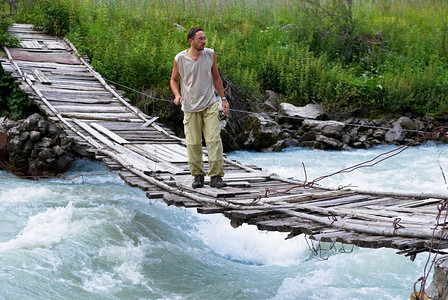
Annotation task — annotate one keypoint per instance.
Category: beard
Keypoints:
(198, 47)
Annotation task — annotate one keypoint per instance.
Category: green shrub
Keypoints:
(388, 56)
(14, 103)
(54, 17)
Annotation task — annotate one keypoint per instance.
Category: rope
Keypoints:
(262, 113)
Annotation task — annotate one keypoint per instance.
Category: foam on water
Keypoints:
(247, 244)
(414, 170)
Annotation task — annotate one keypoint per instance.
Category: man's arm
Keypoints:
(174, 83)
(217, 82)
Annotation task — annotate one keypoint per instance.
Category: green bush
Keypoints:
(388, 56)
(14, 103)
(5, 37)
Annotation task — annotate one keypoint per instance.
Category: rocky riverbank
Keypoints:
(37, 147)
(283, 125)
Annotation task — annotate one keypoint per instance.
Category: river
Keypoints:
(90, 236)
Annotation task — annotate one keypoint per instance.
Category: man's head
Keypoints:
(196, 38)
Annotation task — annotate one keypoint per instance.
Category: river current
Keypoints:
(90, 236)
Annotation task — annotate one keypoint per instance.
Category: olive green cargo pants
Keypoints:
(205, 122)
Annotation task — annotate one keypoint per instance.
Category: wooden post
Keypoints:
(3, 141)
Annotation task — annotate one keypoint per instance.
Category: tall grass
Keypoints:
(386, 55)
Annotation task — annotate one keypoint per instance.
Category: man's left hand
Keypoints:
(225, 107)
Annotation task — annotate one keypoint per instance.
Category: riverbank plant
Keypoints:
(387, 56)
(14, 103)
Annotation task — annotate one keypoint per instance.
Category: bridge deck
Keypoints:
(147, 155)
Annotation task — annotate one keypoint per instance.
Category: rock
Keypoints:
(28, 147)
(309, 111)
(379, 134)
(42, 125)
(345, 139)
(438, 289)
(179, 27)
(64, 163)
(52, 129)
(34, 136)
(395, 134)
(44, 143)
(333, 128)
(406, 123)
(14, 145)
(271, 104)
(58, 150)
(46, 154)
(10, 124)
(260, 132)
(31, 122)
(291, 143)
(308, 136)
(346, 147)
(24, 136)
(52, 164)
(332, 143)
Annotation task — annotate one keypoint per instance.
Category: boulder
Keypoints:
(309, 111)
(31, 122)
(438, 289)
(260, 132)
(406, 123)
(329, 128)
(271, 104)
(329, 142)
(396, 134)
(34, 135)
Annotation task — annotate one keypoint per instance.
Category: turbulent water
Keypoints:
(93, 237)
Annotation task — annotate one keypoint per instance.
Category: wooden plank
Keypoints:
(149, 122)
(78, 73)
(76, 88)
(206, 210)
(185, 184)
(167, 153)
(64, 58)
(421, 202)
(63, 108)
(33, 44)
(171, 168)
(100, 116)
(55, 45)
(41, 76)
(109, 133)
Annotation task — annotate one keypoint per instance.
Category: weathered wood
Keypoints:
(33, 44)
(109, 133)
(41, 76)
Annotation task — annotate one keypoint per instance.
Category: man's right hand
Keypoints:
(178, 100)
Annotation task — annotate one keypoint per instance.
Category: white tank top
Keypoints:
(196, 80)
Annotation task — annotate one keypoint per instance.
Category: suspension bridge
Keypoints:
(149, 156)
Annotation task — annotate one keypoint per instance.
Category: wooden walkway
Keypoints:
(147, 155)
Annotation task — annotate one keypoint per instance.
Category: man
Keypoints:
(199, 78)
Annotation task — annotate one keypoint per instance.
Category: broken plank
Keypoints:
(41, 76)
(109, 133)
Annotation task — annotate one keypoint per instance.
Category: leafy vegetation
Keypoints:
(14, 103)
(5, 37)
(384, 55)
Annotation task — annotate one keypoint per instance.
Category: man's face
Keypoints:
(199, 41)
